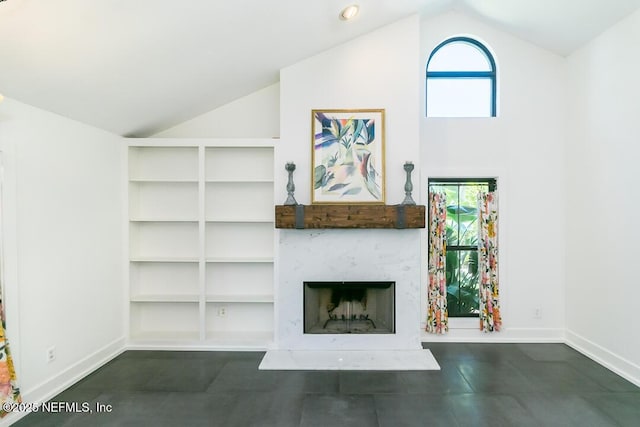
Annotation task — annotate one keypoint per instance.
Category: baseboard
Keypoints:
(192, 347)
(74, 373)
(510, 335)
(625, 368)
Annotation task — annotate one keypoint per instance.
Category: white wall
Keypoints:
(523, 147)
(603, 182)
(378, 70)
(256, 115)
(63, 244)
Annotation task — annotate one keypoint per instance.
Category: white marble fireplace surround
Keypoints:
(347, 255)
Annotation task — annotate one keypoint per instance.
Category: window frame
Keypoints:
(492, 184)
(491, 75)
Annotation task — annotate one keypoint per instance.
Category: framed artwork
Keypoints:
(347, 156)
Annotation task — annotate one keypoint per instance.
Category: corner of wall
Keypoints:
(621, 366)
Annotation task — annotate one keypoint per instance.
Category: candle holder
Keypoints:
(408, 186)
(290, 167)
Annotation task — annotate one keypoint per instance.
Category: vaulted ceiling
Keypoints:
(138, 67)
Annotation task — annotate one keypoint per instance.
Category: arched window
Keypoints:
(461, 79)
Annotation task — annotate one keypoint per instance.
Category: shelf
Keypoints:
(163, 200)
(232, 163)
(239, 240)
(164, 320)
(168, 298)
(240, 221)
(164, 240)
(239, 281)
(239, 201)
(149, 279)
(240, 259)
(164, 180)
(350, 216)
(163, 164)
(238, 317)
(164, 259)
(162, 220)
(241, 298)
(239, 181)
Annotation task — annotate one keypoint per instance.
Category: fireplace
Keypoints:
(349, 307)
(347, 256)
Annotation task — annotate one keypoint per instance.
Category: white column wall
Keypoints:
(377, 70)
(63, 241)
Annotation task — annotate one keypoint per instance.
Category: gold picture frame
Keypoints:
(347, 156)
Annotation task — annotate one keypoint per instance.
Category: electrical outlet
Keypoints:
(537, 313)
(51, 354)
(222, 311)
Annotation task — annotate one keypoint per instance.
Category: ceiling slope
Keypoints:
(137, 67)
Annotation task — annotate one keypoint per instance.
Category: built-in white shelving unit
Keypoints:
(201, 230)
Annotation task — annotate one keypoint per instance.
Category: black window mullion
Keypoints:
(462, 248)
(459, 283)
(458, 215)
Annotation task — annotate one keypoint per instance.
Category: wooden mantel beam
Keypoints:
(350, 216)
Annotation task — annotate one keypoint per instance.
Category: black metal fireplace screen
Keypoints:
(349, 308)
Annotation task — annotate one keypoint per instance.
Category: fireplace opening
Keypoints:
(349, 308)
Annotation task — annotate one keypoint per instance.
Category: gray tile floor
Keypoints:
(479, 385)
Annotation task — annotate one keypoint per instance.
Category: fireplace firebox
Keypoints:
(349, 307)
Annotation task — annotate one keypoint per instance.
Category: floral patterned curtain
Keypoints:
(9, 392)
(437, 316)
(490, 319)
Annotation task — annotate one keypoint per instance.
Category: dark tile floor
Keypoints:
(479, 385)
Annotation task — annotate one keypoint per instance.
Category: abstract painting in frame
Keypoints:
(347, 156)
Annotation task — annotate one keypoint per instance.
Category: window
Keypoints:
(461, 80)
(462, 241)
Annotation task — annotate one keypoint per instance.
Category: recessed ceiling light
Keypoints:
(349, 12)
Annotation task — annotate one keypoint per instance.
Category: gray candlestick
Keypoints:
(408, 186)
(290, 167)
